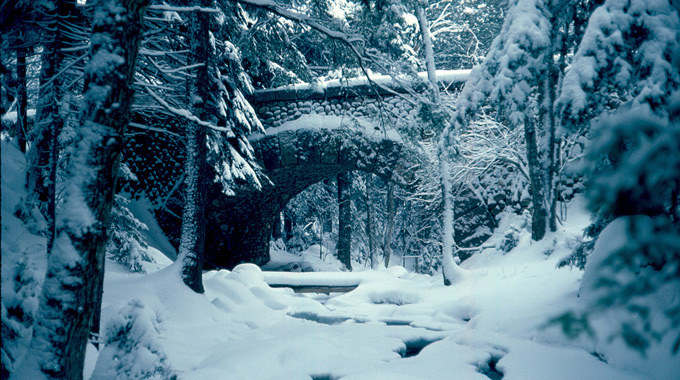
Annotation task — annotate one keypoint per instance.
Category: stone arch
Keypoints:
(240, 225)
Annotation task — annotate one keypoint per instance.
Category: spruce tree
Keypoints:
(72, 288)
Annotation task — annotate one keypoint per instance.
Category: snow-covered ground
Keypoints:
(395, 325)
(491, 324)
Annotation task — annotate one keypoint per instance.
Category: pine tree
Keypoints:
(192, 240)
(61, 29)
(126, 244)
(72, 288)
(630, 49)
(132, 348)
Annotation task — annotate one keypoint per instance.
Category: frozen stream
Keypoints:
(418, 337)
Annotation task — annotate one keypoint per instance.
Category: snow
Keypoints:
(447, 77)
(22, 255)
(159, 245)
(11, 117)
(499, 310)
(315, 122)
(394, 325)
(321, 278)
(631, 69)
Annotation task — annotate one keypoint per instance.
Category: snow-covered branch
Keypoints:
(62, 71)
(153, 129)
(488, 143)
(170, 8)
(346, 39)
(184, 113)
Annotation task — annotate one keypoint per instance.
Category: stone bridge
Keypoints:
(313, 133)
(240, 226)
(384, 102)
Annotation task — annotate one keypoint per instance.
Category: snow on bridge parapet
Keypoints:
(315, 122)
(354, 97)
(354, 87)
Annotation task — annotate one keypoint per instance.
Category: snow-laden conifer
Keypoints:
(131, 347)
(518, 78)
(71, 292)
(126, 243)
(625, 57)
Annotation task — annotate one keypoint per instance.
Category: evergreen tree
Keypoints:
(72, 288)
(132, 348)
(630, 49)
(519, 77)
(126, 244)
(62, 31)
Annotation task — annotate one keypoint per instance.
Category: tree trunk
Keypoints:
(43, 154)
(539, 214)
(22, 98)
(449, 267)
(541, 146)
(387, 249)
(427, 46)
(370, 233)
(76, 263)
(553, 163)
(450, 270)
(192, 241)
(344, 220)
(278, 228)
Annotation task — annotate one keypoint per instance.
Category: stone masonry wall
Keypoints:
(389, 102)
(276, 112)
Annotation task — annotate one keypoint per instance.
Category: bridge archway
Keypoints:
(239, 226)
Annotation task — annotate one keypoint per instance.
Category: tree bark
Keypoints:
(344, 220)
(427, 46)
(541, 143)
(387, 249)
(553, 80)
(536, 174)
(450, 270)
(278, 227)
(76, 263)
(192, 241)
(370, 220)
(22, 98)
(43, 154)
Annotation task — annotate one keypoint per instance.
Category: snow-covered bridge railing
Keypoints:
(353, 97)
